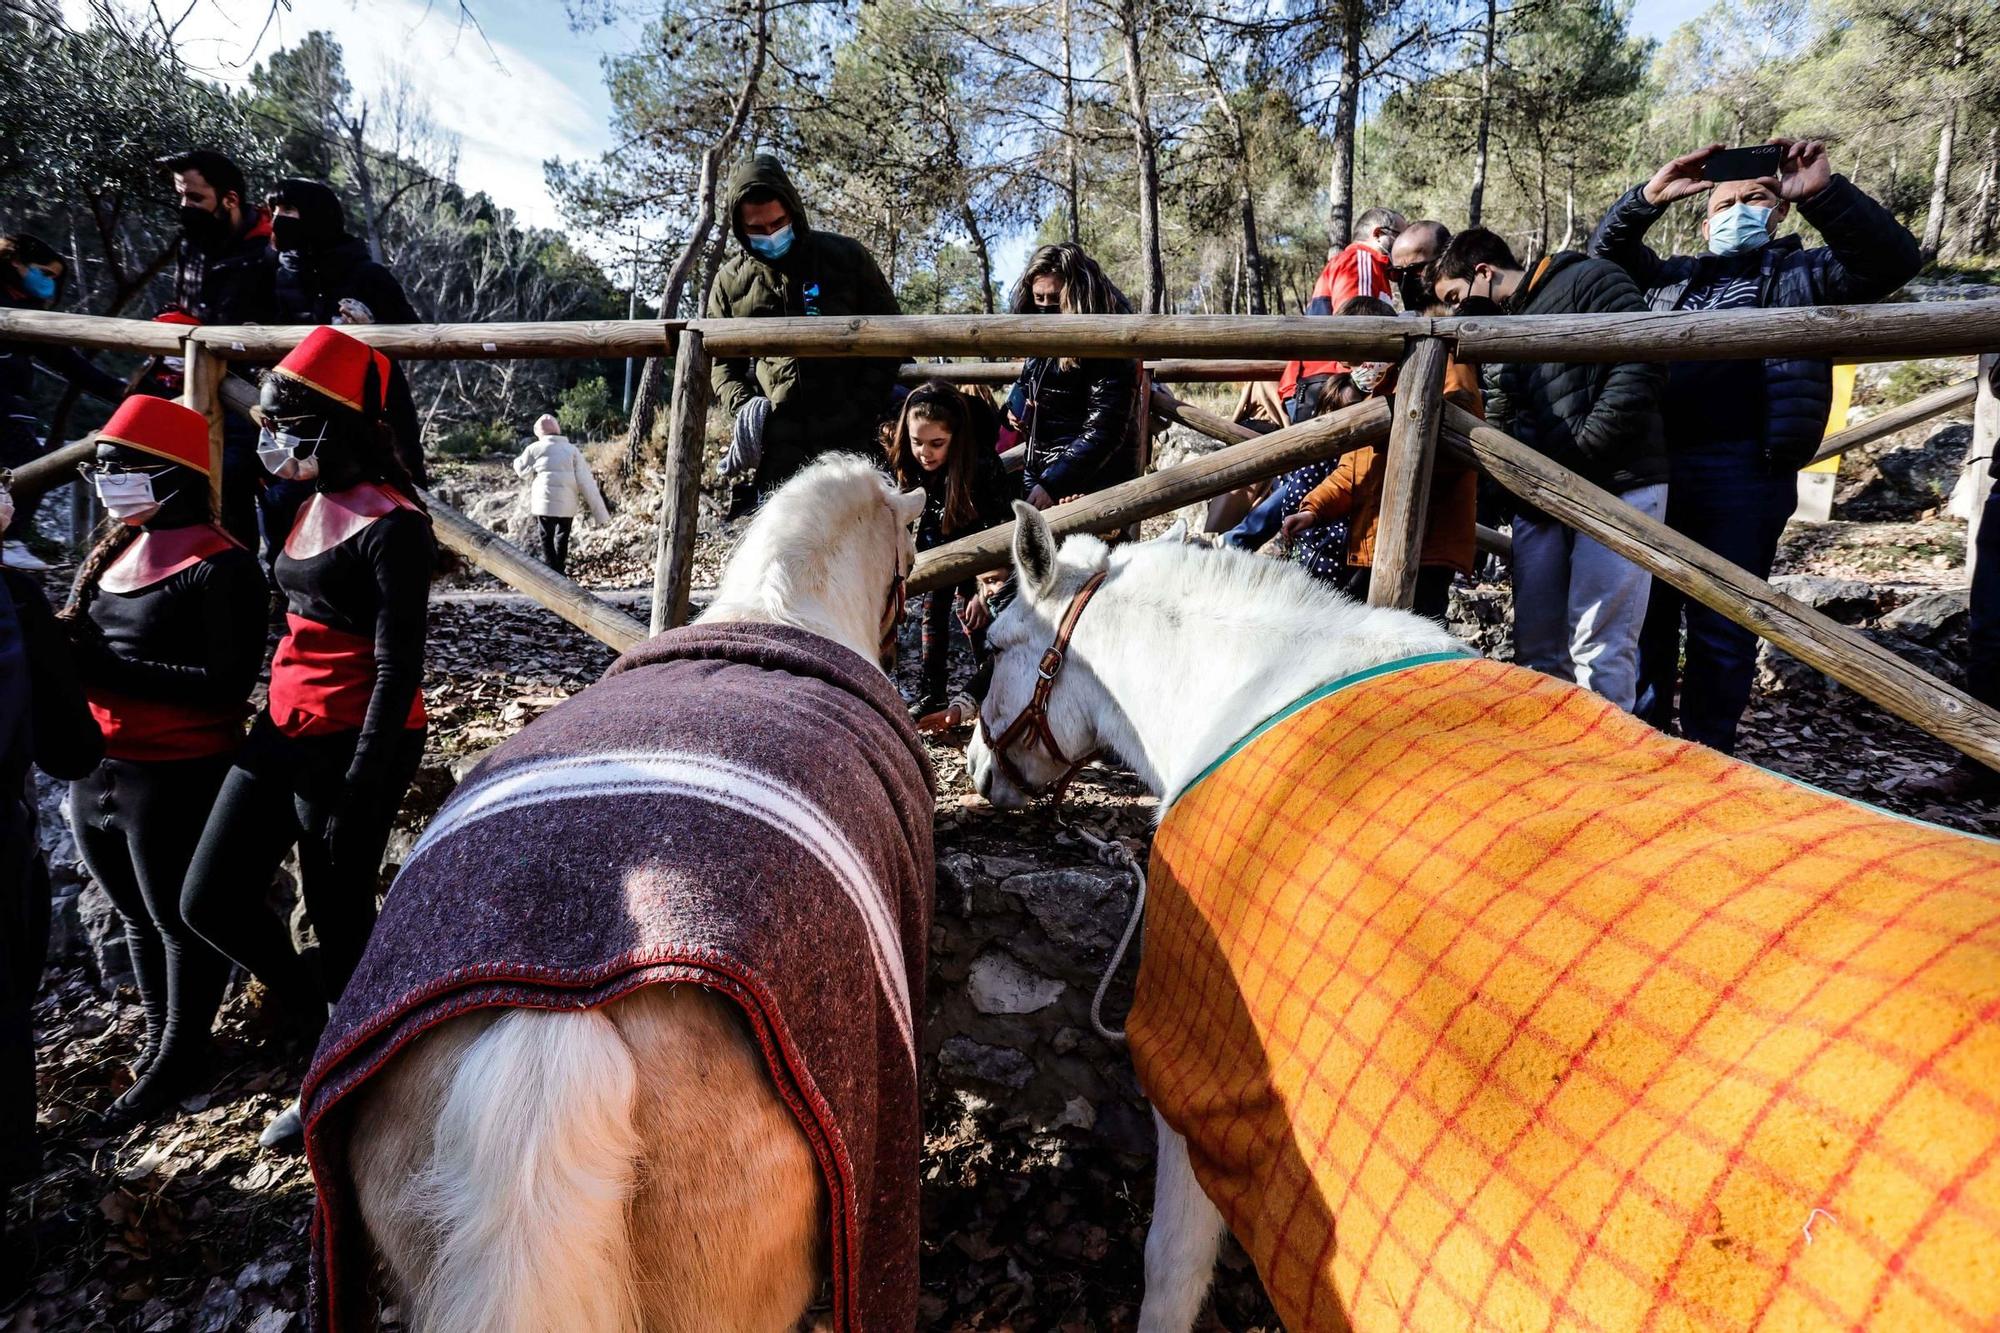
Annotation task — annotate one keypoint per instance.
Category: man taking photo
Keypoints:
(1738, 431)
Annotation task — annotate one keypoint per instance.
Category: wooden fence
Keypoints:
(1196, 348)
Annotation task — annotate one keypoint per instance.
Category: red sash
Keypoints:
(322, 679)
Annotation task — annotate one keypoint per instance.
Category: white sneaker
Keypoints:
(16, 555)
(286, 1132)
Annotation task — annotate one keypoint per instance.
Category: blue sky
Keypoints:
(522, 87)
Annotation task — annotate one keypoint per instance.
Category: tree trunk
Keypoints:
(364, 184)
(977, 239)
(1569, 207)
(1986, 214)
(1346, 114)
(1250, 256)
(1478, 200)
(1153, 300)
(652, 378)
(1073, 197)
(1940, 183)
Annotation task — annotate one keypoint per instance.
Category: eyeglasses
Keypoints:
(90, 472)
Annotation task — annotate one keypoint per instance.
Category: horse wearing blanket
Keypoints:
(634, 1043)
(1471, 1001)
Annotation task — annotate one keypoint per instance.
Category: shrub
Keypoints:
(589, 411)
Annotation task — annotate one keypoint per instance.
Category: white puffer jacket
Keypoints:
(561, 479)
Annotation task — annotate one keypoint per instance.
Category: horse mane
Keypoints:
(788, 567)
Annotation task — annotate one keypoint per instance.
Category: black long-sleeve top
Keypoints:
(169, 666)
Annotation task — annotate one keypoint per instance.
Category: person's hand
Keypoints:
(1294, 524)
(1680, 178)
(1803, 172)
(976, 617)
(1041, 499)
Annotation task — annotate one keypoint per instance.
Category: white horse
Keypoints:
(1239, 635)
(629, 1167)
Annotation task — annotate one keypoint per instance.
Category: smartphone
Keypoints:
(1744, 164)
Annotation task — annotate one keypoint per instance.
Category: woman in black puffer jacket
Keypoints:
(1079, 417)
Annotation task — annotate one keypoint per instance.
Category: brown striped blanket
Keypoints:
(742, 807)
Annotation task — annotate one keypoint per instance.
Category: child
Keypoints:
(561, 475)
(943, 444)
(1351, 496)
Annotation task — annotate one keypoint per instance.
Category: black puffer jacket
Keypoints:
(229, 281)
(1778, 415)
(817, 403)
(1602, 421)
(993, 494)
(328, 266)
(1078, 422)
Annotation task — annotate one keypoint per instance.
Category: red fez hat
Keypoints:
(161, 427)
(173, 314)
(337, 365)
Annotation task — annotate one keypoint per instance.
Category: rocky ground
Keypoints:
(1037, 1166)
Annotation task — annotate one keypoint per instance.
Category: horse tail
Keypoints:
(533, 1165)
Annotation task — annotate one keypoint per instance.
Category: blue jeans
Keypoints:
(1734, 505)
(1578, 606)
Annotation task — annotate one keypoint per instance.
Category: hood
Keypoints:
(319, 209)
(766, 171)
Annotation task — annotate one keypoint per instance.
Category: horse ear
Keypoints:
(1034, 549)
(909, 506)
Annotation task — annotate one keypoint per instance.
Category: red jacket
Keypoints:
(1359, 270)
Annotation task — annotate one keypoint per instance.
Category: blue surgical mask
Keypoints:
(1739, 228)
(773, 246)
(38, 284)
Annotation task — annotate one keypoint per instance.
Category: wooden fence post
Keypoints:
(1406, 474)
(680, 506)
(1862, 665)
(201, 389)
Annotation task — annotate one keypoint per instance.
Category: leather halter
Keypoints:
(1033, 720)
(895, 610)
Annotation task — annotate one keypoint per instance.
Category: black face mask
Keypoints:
(1416, 296)
(1475, 306)
(287, 234)
(1040, 309)
(201, 226)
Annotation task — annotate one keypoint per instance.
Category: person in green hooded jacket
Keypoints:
(789, 410)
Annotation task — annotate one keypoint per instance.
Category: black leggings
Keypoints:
(136, 826)
(938, 607)
(555, 542)
(280, 793)
(1433, 588)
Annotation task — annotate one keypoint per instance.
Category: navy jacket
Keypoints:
(1778, 416)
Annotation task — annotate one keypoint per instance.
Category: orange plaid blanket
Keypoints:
(1483, 1005)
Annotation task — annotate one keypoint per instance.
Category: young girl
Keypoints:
(167, 625)
(944, 444)
(326, 766)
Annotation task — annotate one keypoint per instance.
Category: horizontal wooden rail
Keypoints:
(97, 332)
(513, 567)
(1909, 414)
(1145, 497)
(1170, 371)
(1850, 333)
(460, 342)
(1229, 432)
(1865, 667)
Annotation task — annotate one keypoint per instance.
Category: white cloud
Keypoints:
(509, 110)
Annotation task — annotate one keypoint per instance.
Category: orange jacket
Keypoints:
(1354, 492)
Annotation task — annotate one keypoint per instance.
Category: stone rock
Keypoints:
(962, 1057)
(103, 932)
(1078, 906)
(1077, 1114)
(1904, 483)
(1000, 985)
(1845, 600)
(1780, 673)
(1930, 618)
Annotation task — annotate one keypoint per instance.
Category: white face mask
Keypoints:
(127, 496)
(278, 452)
